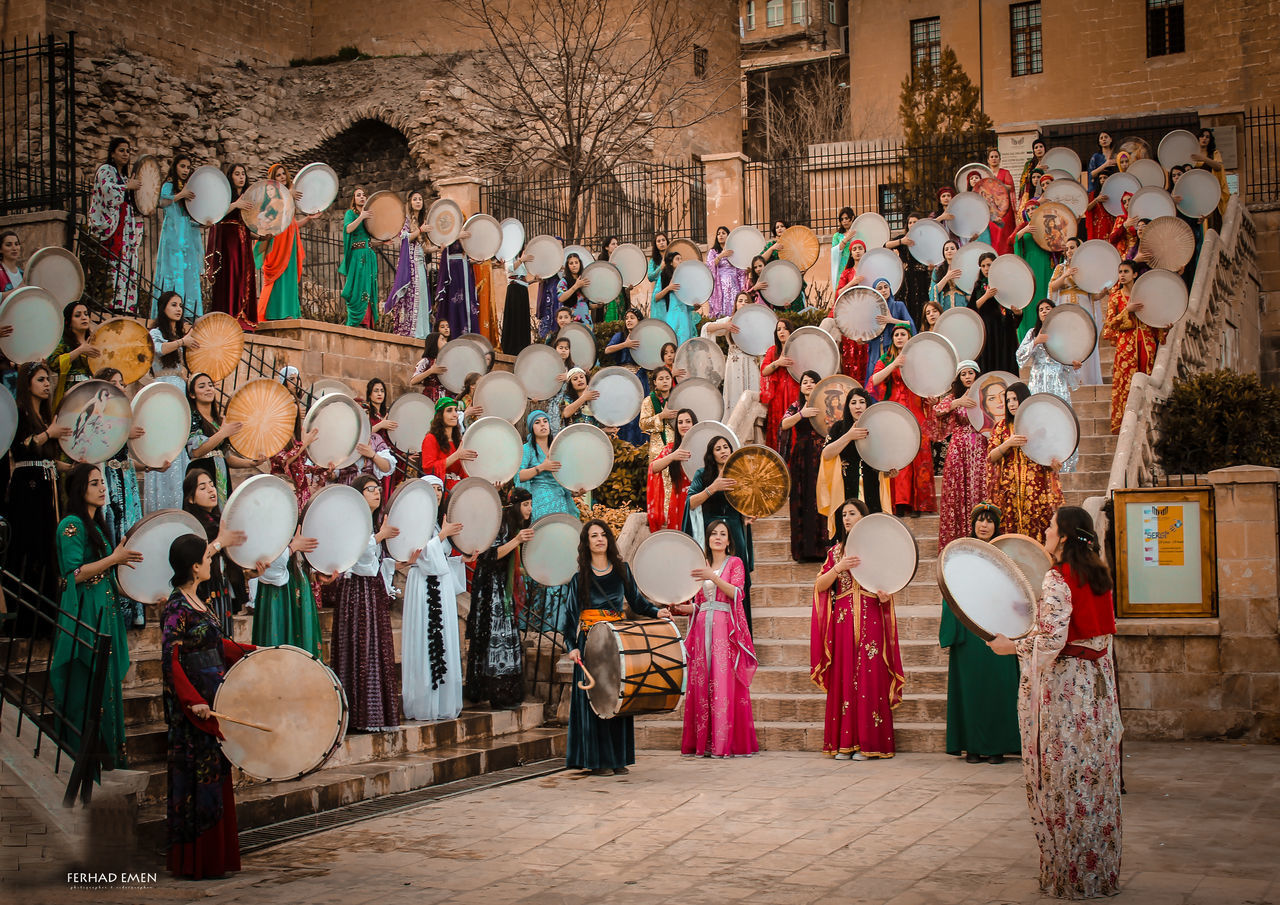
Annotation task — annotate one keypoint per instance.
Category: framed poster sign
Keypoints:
(1166, 554)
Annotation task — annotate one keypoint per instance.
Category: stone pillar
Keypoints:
(724, 180)
(465, 190)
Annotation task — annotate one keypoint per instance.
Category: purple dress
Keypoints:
(729, 282)
(456, 299)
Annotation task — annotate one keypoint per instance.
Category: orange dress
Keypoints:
(1136, 346)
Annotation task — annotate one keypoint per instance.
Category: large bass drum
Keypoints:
(637, 665)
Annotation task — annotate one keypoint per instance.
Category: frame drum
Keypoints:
(828, 397)
(686, 248)
(881, 264)
(1072, 334)
(267, 411)
(585, 257)
(294, 693)
(343, 424)
(99, 418)
(621, 395)
(888, 552)
(124, 344)
(386, 215)
(474, 503)
(928, 237)
(632, 264)
(1163, 296)
(1151, 203)
(57, 271)
(270, 209)
(965, 260)
(604, 283)
(151, 581)
(485, 240)
(1061, 158)
(703, 359)
(1072, 194)
(871, 228)
(460, 357)
(743, 244)
(326, 385)
(697, 440)
(1148, 172)
(1050, 426)
(964, 327)
(962, 174)
(985, 589)
(212, 193)
(536, 367)
(498, 447)
(700, 395)
(1028, 554)
(1052, 224)
(756, 325)
(856, 310)
(146, 197)
(480, 340)
(1014, 281)
(550, 557)
(1170, 242)
(582, 343)
(981, 420)
(929, 363)
(499, 393)
(317, 183)
(412, 414)
(813, 349)
(799, 245)
(696, 282)
(9, 422)
(971, 214)
(893, 436)
(36, 319)
(662, 564)
(221, 340)
(652, 334)
(265, 508)
(1199, 192)
(512, 239)
(339, 519)
(163, 412)
(413, 509)
(764, 483)
(585, 454)
(548, 257)
(1116, 187)
(1061, 175)
(444, 223)
(637, 665)
(784, 282)
(1176, 149)
(1097, 265)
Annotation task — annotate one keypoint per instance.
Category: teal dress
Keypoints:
(360, 271)
(179, 257)
(982, 693)
(657, 306)
(285, 611)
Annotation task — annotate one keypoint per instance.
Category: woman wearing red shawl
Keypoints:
(229, 257)
(778, 389)
(442, 454)
(1002, 229)
(114, 221)
(853, 354)
(1136, 343)
(1124, 230)
(853, 652)
(1097, 222)
(913, 485)
(280, 259)
(668, 485)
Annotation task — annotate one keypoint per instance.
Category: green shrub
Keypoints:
(1216, 420)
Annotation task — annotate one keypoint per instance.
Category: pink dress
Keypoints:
(854, 658)
(721, 664)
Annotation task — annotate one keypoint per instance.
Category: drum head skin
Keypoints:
(964, 327)
(146, 198)
(756, 325)
(813, 349)
(1170, 242)
(701, 358)
(977, 417)
(785, 283)
(339, 518)
(872, 229)
(1072, 333)
(1014, 281)
(486, 237)
(652, 334)
(962, 174)
(1148, 172)
(1176, 149)
(1028, 554)
(1072, 194)
(412, 509)
(662, 565)
(1097, 265)
(499, 449)
(856, 311)
(743, 244)
(326, 385)
(164, 414)
(99, 418)
(460, 357)
(585, 454)
(986, 590)
(293, 693)
(764, 483)
(551, 557)
(212, 195)
(474, 503)
(965, 260)
(265, 508)
(632, 264)
(270, 210)
(638, 666)
(604, 282)
(929, 362)
(828, 397)
(585, 257)
(444, 223)
(1050, 426)
(221, 340)
(800, 246)
(512, 239)
(123, 344)
(697, 439)
(582, 344)
(888, 552)
(499, 393)
(893, 436)
(696, 282)
(343, 424)
(881, 264)
(1199, 191)
(267, 411)
(1116, 187)
(1151, 203)
(386, 215)
(548, 257)
(318, 184)
(412, 414)
(58, 272)
(621, 395)
(972, 213)
(1163, 296)
(698, 394)
(9, 422)
(928, 237)
(151, 581)
(36, 319)
(1061, 158)
(537, 367)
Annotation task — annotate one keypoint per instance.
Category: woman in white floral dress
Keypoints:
(1070, 716)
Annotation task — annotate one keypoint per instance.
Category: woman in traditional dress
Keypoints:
(495, 657)
(706, 502)
(1136, 344)
(668, 485)
(229, 257)
(1210, 158)
(898, 315)
(1097, 221)
(10, 262)
(359, 267)
(180, 254)
(570, 296)
(842, 475)
(201, 812)
(284, 611)
(380, 425)
(601, 591)
(853, 652)
(982, 688)
(517, 323)
(280, 258)
(721, 657)
(72, 358)
(225, 590)
(801, 446)
(407, 303)
(1063, 290)
(618, 304)
(549, 496)
(114, 222)
(679, 316)
(123, 507)
(999, 351)
(291, 463)
(1048, 375)
(1002, 229)
(964, 473)
(1026, 492)
(655, 419)
(572, 404)
(741, 371)
(426, 373)
(1038, 259)
(755, 285)
(943, 288)
(1026, 181)
(170, 337)
(912, 486)
(210, 438)
(1069, 712)
(728, 278)
(87, 564)
(657, 254)
(1101, 163)
(442, 452)
(778, 389)
(916, 274)
(849, 276)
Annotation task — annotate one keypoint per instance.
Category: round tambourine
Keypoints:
(763, 481)
(985, 589)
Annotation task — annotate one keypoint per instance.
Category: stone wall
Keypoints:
(1267, 219)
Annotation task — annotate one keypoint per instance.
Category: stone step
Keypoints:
(916, 621)
(916, 707)
(795, 681)
(664, 735)
(793, 653)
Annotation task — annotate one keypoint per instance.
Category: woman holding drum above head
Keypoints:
(210, 438)
(999, 351)
(601, 591)
(203, 842)
(853, 652)
(442, 452)
(114, 222)
(898, 315)
(408, 301)
(741, 371)
(572, 404)
(706, 502)
(495, 658)
(180, 254)
(668, 485)
(426, 373)
(729, 279)
(570, 290)
(964, 474)
(171, 337)
(284, 611)
(913, 486)
(1026, 492)
(229, 257)
(1136, 343)
(224, 590)
(842, 475)
(657, 256)
(778, 389)
(801, 446)
(280, 259)
(943, 288)
(72, 359)
(1048, 375)
(1070, 752)
(359, 266)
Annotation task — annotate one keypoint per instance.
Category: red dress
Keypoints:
(666, 493)
(1002, 230)
(777, 391)
(1136, 345)
(853, 358)
(912, 486)
(433, 462)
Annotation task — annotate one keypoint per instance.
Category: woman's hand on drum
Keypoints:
(227, 429)
(300, 544)
(1133, 306)
(227, 538)
(786, 361)
(525, 535)
(86, 350)
(475, 412)
(704, 573)
(722, 483)
(847, 562)
(631, 344)
(200, 711)
(1077, 365)
(1018, 440)
(448, 529)
(184, 195)
(591, 395)
(388, 531)
(310, 437)
(665, 612)
(682, 455)
(808, 411)
(137, 431)
(189, 341)
(1001, 644)
(122, 556)
(1041, 339)
(669, 414)
(385, 424)
(884, 596)
(963, 402)
(365, 449)
(562, 377)
(551, 465)
(1055, 463)
(679, 374)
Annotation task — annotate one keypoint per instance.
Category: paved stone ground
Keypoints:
(1201, 824)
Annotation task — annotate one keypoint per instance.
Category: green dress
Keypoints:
(360, 269)
(982, 693)
(283, 300)
(94, 603)
(1041, 263)
(286, 613)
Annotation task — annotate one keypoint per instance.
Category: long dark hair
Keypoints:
(169, 329)
(172, 177)
(676, 426)
(718, 246)
(205, 517)
(846, 418)
(421, 216)
(68, 311)
(1080, 548)
(817, 378)
(228, 171)
(604, 247)
(111, 152)
(626, 331)
(985, 512)
(709, 463)
(431, 345)
(941, 270)
(841, 534)
(39, 415)
(668, 269)
(444, 439)
(1035, 331)
(706, 539)
(1213, 142)
(585, 577)
(777, 343)
(512, 520)
(375, 412)
(77, 486)
(210, 427)
(185, 553)
(1022, 391)
(360, 484)
(958, 388)
(654, 255)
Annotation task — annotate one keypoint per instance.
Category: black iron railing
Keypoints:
(1138, 132)
(1260, 156)
(38, 125)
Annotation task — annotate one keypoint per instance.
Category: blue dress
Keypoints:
(179, 257)
(880, 344)
(544, 606)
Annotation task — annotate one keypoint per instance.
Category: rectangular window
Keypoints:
(926, 42)
(1024, 38)
(1164, 28)
(751, 14)
(699, 61)
(773, 13)
(891, 207)
(833, 15)
(799, 11)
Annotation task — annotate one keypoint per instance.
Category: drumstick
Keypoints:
(231, 719)
(590, 683)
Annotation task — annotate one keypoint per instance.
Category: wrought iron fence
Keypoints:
(1260, 155)
(37, 125)
(1142, 133)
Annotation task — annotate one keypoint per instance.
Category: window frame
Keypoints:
(700, 59)
(1166, 28)
(932, 45)
(775, 13)
(799, 11)
(1030, 61)
(751, 15)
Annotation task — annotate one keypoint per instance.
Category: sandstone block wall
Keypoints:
(1267, 219)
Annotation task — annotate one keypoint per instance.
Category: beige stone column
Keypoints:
(723, 174)
(464, 190)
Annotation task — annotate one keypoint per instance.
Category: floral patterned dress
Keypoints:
(964, 475)
(729, 281)
(1028, 494)
(114, 221)
(1136, 346)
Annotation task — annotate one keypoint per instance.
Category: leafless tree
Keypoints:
(817, 109)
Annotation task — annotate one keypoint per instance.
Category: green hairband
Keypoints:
(445, 401)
